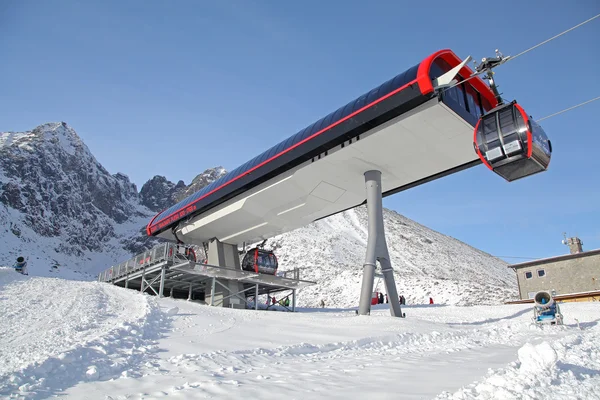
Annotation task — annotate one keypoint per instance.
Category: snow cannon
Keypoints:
(546, 310)
(21, 266)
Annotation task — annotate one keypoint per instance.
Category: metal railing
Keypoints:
(165, 252)
(170, 253)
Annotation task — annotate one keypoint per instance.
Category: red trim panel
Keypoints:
(256, 260)
(481, 157)
(529, 137)
(148, 232)
(426, 86)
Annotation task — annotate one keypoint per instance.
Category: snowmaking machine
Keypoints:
(545, 310)
(21, 266)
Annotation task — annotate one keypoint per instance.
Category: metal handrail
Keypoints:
(165, 252)
(160, 253)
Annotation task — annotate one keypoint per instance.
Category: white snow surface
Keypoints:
(87, 340)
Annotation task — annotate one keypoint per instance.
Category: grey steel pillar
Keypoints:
(294, 300)
(190, 292)
(212, 290)
(255, 296)
(127, 281)
(162, 282)
(377, 250)
(143, 277)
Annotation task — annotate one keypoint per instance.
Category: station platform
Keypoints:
(164, 270)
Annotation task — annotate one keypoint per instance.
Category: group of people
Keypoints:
(283, 302)
(380, 298)
(401, 299)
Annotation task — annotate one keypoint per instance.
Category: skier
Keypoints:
(431, 300)
(21, 266)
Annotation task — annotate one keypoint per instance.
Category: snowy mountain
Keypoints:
(426, 263)
(60, 207)
(159, 193)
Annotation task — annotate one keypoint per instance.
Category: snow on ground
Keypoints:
(55, 333)
(95, 341)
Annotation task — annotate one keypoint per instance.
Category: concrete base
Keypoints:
(224, 255)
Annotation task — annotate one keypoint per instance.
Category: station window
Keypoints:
(528, 275)
(541, 273)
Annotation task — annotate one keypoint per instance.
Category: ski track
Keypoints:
(90, 340)
(337, 369)
(91, 331)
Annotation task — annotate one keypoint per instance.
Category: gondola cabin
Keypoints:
(260, 261)
(510, 143)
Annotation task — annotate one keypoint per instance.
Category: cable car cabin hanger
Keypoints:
(506, 140)
(260, 261)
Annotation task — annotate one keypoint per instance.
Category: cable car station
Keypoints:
(432, 120)
(171, 269)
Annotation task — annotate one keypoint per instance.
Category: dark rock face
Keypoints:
(60, 190)
(159, 193)
(50, 176)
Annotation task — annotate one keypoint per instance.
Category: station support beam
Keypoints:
(224, 255)
(377, 250)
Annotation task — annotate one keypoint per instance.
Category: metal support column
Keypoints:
(162, 282)
(256, 297)
(127, 281)
(143, 280)
(294, 300)
(190, 292)
(377, 250)
(212, 291)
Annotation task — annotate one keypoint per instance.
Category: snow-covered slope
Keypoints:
(86, 340)
(63, 332)
(426, 263)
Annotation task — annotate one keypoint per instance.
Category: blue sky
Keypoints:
(173, 88)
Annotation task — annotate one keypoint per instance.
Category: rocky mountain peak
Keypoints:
(159, 193)
(50, 176)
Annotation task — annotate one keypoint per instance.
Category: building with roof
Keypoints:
(570, 277)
